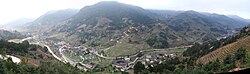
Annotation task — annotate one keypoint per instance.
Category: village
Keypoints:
(82, 56)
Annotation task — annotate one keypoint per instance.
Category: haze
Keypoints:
(14, 9)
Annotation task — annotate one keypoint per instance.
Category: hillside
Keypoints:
(33, 59)
(222, 52)
(228, 46)
(230, 54)
(6, 35)
(220, 56)
(48, 20)
(105, 23)
(238, 18)
(199, 50)
(113, 25)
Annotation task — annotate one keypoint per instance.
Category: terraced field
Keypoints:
(220, 53)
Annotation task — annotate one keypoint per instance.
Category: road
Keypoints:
(37, 43)
(110, 58)
(49, 49)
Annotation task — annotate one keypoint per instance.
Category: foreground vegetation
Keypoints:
(23, 50)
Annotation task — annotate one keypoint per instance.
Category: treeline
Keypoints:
(6, 35)
(178, 66)
(16, 48)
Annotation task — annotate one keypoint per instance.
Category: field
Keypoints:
(125, 48)
(180, 50)
(71, 56)
(220, 53)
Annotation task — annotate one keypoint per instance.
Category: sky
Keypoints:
(14, 9)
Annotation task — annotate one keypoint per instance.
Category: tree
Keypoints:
(138, 68)
(213, 66)
(228, 63)
(240, 54)
(177, 71)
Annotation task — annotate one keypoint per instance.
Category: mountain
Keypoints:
(105, 23)
(14, 25)
(49, 19)
(239, 18)
(165, 14)
(194, 25)
(6, 35)
(123, 26)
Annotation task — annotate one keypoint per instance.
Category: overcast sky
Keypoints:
(14, 9)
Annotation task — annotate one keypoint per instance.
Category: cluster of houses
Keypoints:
(121, 63)
(126, 62)
(81, 52)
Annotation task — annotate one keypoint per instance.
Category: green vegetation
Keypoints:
(187, 63)
(181, 65)
(23, 50)
(125, 48)
(6, 35)
(157, 42)
(17, 48)
(73, 57)
(199, 50)
(52, 67)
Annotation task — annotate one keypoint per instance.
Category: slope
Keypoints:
(242, 40)
(48, 20)
(6, 35)
(220, 53)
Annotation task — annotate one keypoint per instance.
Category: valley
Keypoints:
(111, 37)
(87, 58)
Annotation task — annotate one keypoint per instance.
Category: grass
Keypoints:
(103, 62)
(125, 48)
(75, 58)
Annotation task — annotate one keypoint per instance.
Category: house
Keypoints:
(120, 64)
(154, 58)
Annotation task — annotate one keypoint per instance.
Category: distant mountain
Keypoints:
(163, 14)
(239, 18)
(200, 27)
(44, 22)
(13, 25)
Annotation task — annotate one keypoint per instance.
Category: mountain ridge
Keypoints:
(108, 17)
